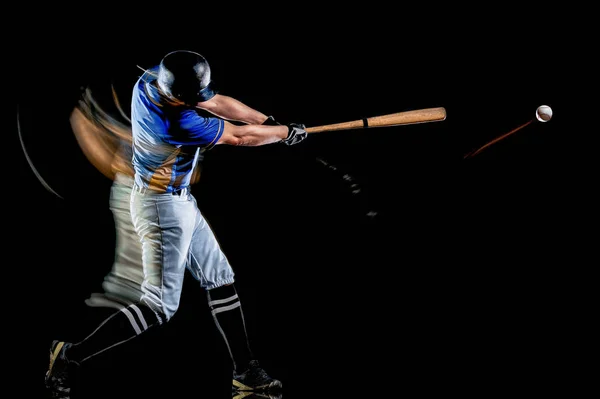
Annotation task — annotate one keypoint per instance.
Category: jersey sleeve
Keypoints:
(199, 130)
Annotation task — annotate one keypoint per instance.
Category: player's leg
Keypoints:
(123, 284)
(210, 267)
(115, 312)
(163, 226)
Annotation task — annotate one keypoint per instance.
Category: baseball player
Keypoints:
(176, 116)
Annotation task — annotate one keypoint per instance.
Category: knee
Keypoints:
(163, 311)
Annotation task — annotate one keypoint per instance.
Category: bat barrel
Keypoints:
(395, 119)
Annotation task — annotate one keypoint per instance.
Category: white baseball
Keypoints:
(543, 113)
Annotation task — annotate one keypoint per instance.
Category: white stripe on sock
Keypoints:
(129, 315)
(140, 316)
(226, 308)
(220, 301)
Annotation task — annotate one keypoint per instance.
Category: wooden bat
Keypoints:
(396, 119)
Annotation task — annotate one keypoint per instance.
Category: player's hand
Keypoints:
(296, 133)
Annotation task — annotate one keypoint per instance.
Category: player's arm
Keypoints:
(256, 135)
(229, 108)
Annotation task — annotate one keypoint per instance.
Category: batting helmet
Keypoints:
(185, 76)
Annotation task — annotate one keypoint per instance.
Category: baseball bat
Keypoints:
(396, 119)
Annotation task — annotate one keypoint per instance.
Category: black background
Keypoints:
(442, 274)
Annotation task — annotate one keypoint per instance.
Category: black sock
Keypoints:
(227, 312)
(119, 327)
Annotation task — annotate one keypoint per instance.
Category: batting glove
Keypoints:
(296, 133)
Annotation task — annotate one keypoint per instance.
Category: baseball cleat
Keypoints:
(255, 379)
(255, 395)
(57, 376)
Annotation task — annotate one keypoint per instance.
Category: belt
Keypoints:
(144, 190)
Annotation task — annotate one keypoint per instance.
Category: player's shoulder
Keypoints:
(149, 75)
(146, 81)
(146, 91)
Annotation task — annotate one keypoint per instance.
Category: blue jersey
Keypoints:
(167, 139)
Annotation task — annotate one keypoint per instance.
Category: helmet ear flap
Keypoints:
(207, 93)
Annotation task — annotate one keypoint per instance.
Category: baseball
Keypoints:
(543, 113)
